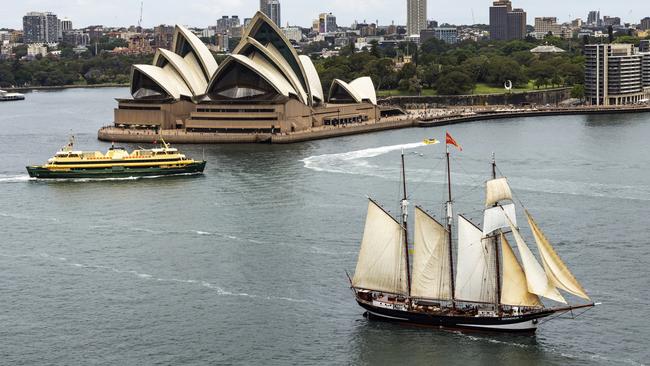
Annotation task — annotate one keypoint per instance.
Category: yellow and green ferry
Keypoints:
(116, 163)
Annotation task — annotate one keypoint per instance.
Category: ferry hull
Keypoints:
(514, 324)
(114, 172)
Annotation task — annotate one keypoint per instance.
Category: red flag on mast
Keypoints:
(451, 141)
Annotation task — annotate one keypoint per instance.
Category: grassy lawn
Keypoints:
(479, 89)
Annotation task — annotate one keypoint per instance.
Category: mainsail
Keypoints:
(497, 190)
(431, 274)
(497, 218)
(556, 270)
(538, 282)
(475, 277)
(382, 262)
(514, 290)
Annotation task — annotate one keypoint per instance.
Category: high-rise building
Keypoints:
(499, 19)
(645, 23)
(611, 20)
(226, 23)
(547, 25)
(326, 23)
(594, 18)
(506, 23)
(41, 28)
(272, 9)
(517, 24)
(416, 19)
(615, 74)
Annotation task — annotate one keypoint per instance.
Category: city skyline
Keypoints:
(206, 12)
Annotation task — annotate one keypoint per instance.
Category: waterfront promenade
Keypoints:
(413, 118)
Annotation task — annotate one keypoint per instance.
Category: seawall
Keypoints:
(540, 97)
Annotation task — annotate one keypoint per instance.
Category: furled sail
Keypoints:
(382, 262)
(556, 270)
(497, 218)
(476, 274)
(430, 277)
(538, 282)
(497, 190)
(514, 290)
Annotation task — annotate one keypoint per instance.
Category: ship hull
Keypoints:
(526, 323)
(114, 172)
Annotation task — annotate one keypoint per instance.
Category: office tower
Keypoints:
(326, 23)
(416, 20)
(506, 23)
(499, 20)
(40, 28)
(547, 25)
(274, 11)
(611, 20)
(645, 23)
(517, 24)
(594, 18)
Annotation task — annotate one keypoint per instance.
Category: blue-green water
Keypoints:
(245, 265)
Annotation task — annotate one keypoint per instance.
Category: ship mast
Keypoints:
(496, 244)
(450, 217)
(404, 205)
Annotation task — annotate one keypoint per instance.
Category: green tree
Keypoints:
(454, 83)
(578, 91)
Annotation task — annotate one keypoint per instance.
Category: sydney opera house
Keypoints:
(264, 87)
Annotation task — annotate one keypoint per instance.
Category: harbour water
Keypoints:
(245, 265)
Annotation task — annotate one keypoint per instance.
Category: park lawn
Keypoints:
(479, 89)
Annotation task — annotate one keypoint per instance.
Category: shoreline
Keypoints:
(110, 133)
(65, 87)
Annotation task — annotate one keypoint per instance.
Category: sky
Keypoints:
(201, 13)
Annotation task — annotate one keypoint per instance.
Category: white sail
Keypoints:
(476, 274)
(431, 262)
(538, 282)
(514, 290)
(556, 270)
(497, 190)
(382, 262)
(496, 218)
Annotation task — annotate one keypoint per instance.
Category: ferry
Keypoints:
(69, 163)
(6, 96)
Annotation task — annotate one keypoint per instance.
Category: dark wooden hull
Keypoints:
(525, 323)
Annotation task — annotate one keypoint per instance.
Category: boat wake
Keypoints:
(358, 162)
(347, 162)
(15, 178)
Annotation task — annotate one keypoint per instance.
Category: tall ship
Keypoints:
(69, 163)
(481, 285)
(5, 96)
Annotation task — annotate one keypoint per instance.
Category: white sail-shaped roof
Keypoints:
(266, 32)
(514, 290)
(250, 46)
(150, 81)
(341, 88)
(382, 259)
(475, 275)
(558, 273)
(260, 67)
(365, 88)
(431, 261)
(313, 79)
(186, 42)
(193, 77)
